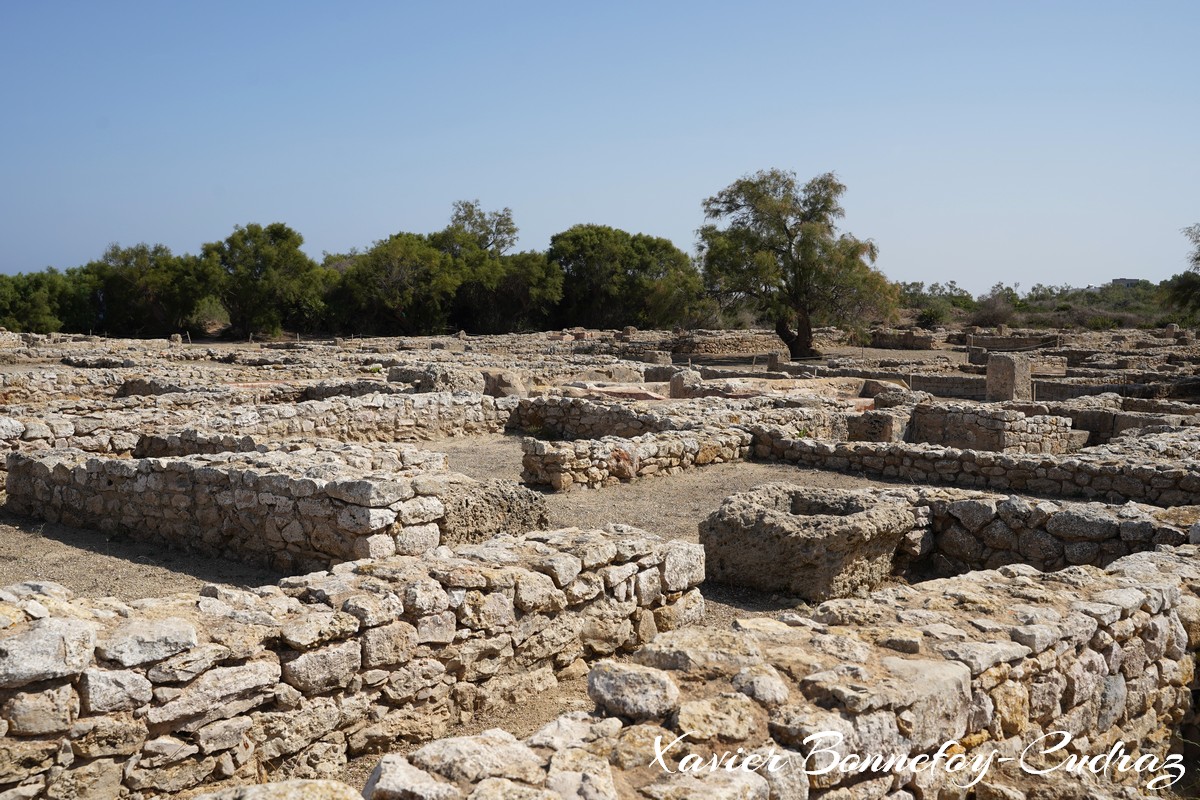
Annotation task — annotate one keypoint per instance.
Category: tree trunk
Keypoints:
(799, 341)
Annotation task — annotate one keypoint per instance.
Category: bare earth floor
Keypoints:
(96, 564)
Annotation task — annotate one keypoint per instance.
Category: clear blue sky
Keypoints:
(1053, 142)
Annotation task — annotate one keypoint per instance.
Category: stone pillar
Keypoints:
(1008, 378)
(775, 359)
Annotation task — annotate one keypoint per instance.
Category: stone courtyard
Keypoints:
(601, 564)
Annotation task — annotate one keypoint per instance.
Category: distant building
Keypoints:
(1126, 283)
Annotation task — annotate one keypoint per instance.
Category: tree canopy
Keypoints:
(612, 278)
(266, 280)
(1183, 290)
(775, 244)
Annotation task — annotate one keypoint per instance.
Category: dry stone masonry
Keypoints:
(955, 688)
(293, 510)
(962, 614)
(100, 698)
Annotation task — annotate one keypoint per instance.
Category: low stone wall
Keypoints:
(975, 673)
(1039, 362)
(1090, 474)
(99, 698)
(818, 544)
(970, 531)
(1106, 416)
(370, 418)
(594, 463)
(554, 417)
(291, 510)
(990, 428)
(999, 344)
(892, 339)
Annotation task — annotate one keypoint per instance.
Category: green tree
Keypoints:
(1183, 290)
(403, 284)
(612, 278)
(498, 292)
(29, 302)
(266, 280)
(142, 290)
(779, 249)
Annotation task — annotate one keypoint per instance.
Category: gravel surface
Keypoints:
(94, 564)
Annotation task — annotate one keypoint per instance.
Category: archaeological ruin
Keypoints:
(614, 565)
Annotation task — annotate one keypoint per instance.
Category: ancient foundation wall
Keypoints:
(818, 544)
(99, 698)
(986, 532)
(990, 428)
(370, 418)
(554, 417)
(1102, 423)
(975, 673)
(892, 339)
(594, 463)
(1113, 480)
(289, 510)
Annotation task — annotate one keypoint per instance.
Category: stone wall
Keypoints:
(1106, 416)
(971, 531)
(370, 418)
(975, 673)
(292, 510)
(893, 339)
(818, 544)
(555, 417)
(990, 428)
(1171, 478)
(594, 463)
(99, 698)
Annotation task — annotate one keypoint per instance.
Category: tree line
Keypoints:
(463, 277)
(770, 252)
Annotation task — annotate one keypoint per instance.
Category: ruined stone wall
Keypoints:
(99, 698)
(1104, 421)
(950, 384)
(724, 342)
(40, 384)
(990, 428)
(980, 666)
(594, 463)
(290, 510)
(370, 418)
(576, 418)
(893, 339)
(976, 531)
(1091, 474)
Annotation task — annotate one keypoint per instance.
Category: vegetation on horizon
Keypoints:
(770, 254)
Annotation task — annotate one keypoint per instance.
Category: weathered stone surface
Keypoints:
(41, 713)
(394, 778)
(388, 645)
(491, 754)
(632, 691)
(143, 641)
(217, 694)
(113, 690)
(324, 669)
(813, 543)
(50, 648)
(292, 790)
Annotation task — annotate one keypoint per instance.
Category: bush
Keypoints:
(934, 315)
(993, 311)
